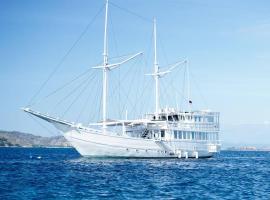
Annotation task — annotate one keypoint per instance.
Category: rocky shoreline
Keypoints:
(19, 139)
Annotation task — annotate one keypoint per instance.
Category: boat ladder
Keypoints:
(164, 147)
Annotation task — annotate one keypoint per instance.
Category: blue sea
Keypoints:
(60, 173)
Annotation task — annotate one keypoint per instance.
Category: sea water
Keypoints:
(60, 173)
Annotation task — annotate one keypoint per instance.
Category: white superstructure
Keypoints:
(165, 133)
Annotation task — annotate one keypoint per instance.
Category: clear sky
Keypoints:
(227, 43)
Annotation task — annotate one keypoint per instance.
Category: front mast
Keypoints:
(105, 70)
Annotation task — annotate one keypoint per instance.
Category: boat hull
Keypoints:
(91, 144)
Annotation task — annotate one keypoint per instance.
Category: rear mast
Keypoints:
(156, 70)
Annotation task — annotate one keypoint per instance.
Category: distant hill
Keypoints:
(15, 138)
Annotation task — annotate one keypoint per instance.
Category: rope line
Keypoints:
(64, 57)
(198, 88)
(63, 86)
(80, 93)
(85, 104)
(97, 99)
(70, 93)
(40, 124)
(132, 13)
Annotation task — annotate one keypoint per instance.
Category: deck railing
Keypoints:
(197, 126)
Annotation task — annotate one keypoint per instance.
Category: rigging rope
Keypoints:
(63, 86)
(127, 95)
(70, 93)
(98, 91)
(84, 105)
(96, 80)
(170, 83)
(198, 88)
(40, 124)
(163, 51)
(77, 97)
(132, 13)
(31, 102)
(184, 88)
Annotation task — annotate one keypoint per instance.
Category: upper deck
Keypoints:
(201, 120)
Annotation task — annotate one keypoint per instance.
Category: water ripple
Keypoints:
(63, 174)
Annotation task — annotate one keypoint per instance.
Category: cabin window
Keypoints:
(210, 136)
(201, 138)
(215, 136)
(175, 134)
(170, 118)
(162, 133)
(175, 117)
(193, 135)
(188, 135)
(184, 135)
(163, 118)
(199, 135)
(210, 119)
(155, 133)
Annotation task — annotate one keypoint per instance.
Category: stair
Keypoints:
(164, 147)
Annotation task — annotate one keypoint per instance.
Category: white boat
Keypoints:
(166, 133)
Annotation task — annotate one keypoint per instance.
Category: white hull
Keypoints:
(102, 145)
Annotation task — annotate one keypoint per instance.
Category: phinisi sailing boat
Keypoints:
(166, 133)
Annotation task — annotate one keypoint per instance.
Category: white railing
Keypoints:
(196, 126)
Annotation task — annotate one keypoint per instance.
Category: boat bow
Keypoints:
(60, 124)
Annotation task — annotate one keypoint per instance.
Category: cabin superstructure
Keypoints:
(197, 128)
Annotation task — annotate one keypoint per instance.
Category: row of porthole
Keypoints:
(147, 151)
